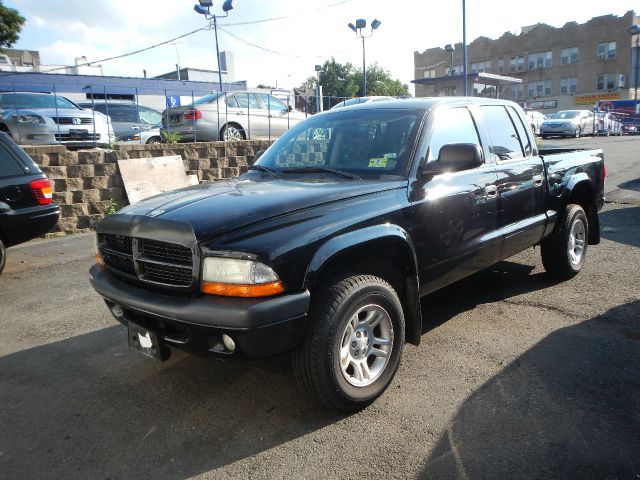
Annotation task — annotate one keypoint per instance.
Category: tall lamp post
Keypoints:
(361, 23)
(449, 48)
(464, 45)
(204, 8)
(318, 99)
(635, 30)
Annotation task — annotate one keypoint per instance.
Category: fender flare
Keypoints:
(363, 236)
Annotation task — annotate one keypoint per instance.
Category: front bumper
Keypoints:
(563, 130)
(51, 134)
(259, 327)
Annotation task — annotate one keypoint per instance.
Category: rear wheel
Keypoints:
(353, 345)
(232, 133)
(564, 253)
(153, 140)
(3, 256)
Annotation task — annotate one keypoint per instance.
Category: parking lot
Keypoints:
(517, 376)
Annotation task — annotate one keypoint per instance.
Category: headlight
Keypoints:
(233, 277)
(28, 119)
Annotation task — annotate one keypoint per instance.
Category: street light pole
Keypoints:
(357, 28)
(635, 30)
(204, 8)
(464, 43)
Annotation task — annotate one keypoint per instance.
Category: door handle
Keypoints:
(537, 180)
(491, 191)
(239, 113)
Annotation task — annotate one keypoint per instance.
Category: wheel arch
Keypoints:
(580, 191)
(232, 123)
(382, 250)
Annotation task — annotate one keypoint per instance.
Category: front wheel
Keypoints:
(154, 140)
(3, 256)
(578, 132)
(352, 347)
(564, 252)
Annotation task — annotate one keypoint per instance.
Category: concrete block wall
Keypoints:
(87, 182)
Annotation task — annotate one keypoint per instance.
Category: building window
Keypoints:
(479, 67)
(457, 70)
(430, 73)
(501, 65)
(606, 51)
(540, 60)
(539, 89)
(569, 55)
(568, 85)
(606, 81)
(450, 91)
(516, 90)
(516, 64)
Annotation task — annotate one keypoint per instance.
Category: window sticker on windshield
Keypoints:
(391, 156)
(377, 162)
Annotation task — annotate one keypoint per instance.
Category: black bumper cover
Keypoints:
(259, 327)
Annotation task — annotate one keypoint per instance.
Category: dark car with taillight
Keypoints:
(326, 245)
(26, 207)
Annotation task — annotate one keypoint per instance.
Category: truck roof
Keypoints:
(425, 103)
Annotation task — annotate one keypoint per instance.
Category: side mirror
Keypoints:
(456, 157)
(290, 108)
(258, 155)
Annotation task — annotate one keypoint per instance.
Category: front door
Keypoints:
(454, 213)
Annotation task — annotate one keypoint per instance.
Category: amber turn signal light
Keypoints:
(240, 290)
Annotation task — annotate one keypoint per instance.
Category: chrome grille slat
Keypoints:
(150, 261)
(69, 121)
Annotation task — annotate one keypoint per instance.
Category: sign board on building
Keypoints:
(591, 99)
(281, 94)
(540, 104)
(173, 101)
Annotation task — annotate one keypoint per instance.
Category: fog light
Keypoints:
(117, 311)
(228, 342)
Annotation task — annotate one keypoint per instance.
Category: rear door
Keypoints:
(520, 178)
(278, 116)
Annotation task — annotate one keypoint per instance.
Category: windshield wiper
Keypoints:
(261, 168)
(322, 170)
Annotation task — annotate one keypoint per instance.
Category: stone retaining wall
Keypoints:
(87, 182)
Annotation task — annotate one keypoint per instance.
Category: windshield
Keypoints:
(566, 114)
(33, 100)
(373, 144)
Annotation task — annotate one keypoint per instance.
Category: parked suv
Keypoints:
(26, 208)
(231, 116)
(42, 118)
(127, 117)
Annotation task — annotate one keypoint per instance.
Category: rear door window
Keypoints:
(505, 142)
(524, 138)
(8, 166)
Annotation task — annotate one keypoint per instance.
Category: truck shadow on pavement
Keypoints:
(566, 408)
(87, 407)
(503, 280)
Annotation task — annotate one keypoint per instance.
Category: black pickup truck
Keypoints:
(325, 247)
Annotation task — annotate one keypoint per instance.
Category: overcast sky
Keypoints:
(313, 32)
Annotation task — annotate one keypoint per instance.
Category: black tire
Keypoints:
(3, 256)
(578, 132)
(555, 249)
(154, 140)
(317, 360)
(232, 129)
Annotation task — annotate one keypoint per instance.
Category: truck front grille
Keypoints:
(150, 261)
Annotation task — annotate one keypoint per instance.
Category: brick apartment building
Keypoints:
(544, 67)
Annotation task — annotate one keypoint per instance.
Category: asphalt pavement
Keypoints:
(517, 376)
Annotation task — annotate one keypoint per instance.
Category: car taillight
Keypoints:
(193, 114)
(42, 191)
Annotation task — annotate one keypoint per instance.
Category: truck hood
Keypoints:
(220, 207)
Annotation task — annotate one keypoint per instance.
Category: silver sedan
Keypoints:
(230, 116)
